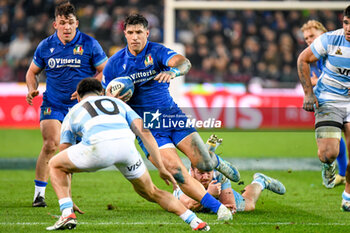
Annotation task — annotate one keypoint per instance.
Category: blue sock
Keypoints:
(40, 183)
(208, 201)
(341, 159)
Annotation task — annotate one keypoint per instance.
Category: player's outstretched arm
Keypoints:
(152, 148)
(179, 65)
(32, 82)
(304, 60)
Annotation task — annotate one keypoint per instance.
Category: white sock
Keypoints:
(39, 190)
(66, 206)
(346, 196)
(260, 183)
(188, 216)
(191, 218)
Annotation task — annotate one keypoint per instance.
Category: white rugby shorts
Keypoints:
(119, 152)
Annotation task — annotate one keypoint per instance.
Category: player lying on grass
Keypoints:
(220, 187)
(108, 127)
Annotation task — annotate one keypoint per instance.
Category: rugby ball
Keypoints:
(121, 85)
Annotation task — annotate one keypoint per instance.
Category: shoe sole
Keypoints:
(70, 226)
(39, 205)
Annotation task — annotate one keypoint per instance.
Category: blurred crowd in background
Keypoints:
(234, 46)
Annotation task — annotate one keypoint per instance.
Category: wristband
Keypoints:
(176, 71)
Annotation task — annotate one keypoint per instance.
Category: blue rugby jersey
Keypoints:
(335, 78)
(66, 65)
(96, 119)
(149, 94)
(316, 68)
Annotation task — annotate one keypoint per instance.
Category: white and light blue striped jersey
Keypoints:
(335, 78)
(96, 119)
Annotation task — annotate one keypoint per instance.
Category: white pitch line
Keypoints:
(162, 223)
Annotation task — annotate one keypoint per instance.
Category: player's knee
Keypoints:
(328, 154)
(50, 146)
(205, 165)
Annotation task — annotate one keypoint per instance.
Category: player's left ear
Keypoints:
(77, 23)
(54, 24)
(147, 33)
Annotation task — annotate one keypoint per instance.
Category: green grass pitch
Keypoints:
(306, 207)
(253, 144)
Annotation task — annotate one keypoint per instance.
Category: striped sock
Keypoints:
(66, 206)
(261, 182)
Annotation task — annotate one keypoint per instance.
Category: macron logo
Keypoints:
(52, 49)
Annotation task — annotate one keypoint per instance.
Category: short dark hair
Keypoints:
(65, 8)
(135, 20)
(347, 12)
(89, 85)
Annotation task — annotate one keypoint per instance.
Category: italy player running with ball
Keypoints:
(151, 66)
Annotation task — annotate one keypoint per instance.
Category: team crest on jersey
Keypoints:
(47, 111)
(338, 52)
(78, 50)
(148, 60)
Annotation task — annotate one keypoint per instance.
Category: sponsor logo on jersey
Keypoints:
(134, 166)
(64, 62)
(148, 60)
(142, 76)
(344, 71)
(52, 49)
(47, 111)
(338, 52)
(78, 50)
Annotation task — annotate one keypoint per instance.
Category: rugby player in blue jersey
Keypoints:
(108, 126)
(67, 56)
(311, 30)
(330, 99)
(151, 66)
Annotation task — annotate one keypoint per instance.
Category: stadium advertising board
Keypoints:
(233, 110)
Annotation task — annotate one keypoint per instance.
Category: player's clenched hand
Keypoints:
(31, 95)
(165, 77)
(214, 188)
(310, 102)
(74, 95)
(166, 176)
